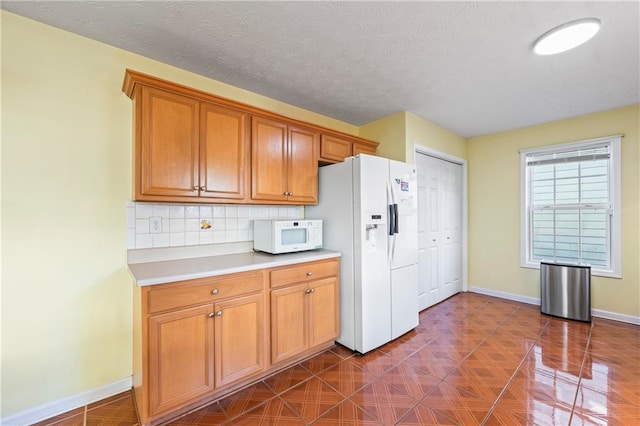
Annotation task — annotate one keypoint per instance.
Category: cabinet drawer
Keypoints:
(304, 272)
(161, 299)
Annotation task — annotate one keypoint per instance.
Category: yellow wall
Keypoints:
(494, 206)
(425, 133)
(399, 132)
(66, 156)
(390, 132)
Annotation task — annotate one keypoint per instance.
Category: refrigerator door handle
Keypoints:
(395, 218)
(392, 220)
(392, 249)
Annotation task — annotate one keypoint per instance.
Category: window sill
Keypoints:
(594, 272)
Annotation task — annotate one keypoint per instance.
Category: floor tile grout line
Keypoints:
(584, 360)
(515, 372)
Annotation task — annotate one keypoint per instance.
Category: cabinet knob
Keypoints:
(219, 313)
(211, 315)
(203, 188)
(309, 273)
(195, 187)
(308, 291)
(313, 290)
(214, 291)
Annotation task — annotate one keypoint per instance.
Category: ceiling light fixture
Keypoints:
(566, 36)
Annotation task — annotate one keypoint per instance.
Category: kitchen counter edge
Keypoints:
(167, 271)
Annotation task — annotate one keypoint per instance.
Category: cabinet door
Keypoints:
(334, 149)
(239, 338)
(363, 149)
(224, 152)
(268, 159)
(167, 150)
(324, 311)
(288, 322)
(180, 357)
(302, 172)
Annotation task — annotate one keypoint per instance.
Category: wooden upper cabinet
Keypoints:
(195, 147)
(302, 170)
(224, 152)
(360, 148)
(269, 159)
(285, 162)
(167, 148)
(333, 149)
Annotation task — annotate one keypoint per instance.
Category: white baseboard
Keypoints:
(505, 295)
(46, 411)
(536, 301)
(615, 316)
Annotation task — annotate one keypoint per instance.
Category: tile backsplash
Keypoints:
(173, 225)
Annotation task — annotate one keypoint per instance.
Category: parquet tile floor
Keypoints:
(473, 360)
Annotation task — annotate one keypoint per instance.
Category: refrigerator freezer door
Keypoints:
(404, 300)
(404, 189)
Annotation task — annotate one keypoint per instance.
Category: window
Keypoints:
(570, 205)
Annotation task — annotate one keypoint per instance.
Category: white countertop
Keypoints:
(166, 271)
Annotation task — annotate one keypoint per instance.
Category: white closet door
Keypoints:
(423, 237)
(452, 241)
(439, 229)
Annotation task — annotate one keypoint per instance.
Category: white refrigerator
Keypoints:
(369, 209)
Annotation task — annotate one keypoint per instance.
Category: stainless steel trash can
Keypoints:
(565, 290)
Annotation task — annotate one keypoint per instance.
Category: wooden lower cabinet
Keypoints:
(239, 339)
(198, 340)
(303, 316)
(288, 322)
(324, 311)
(305, 313)
(180, 357)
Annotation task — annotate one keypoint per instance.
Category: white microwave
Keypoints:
(287, 236)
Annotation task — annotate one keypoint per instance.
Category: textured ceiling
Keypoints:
(466, 66)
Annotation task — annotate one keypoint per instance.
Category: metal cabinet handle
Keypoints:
(219, 313)
(309, 273)
(211, 315)
(313, 290)
(308, 291)
(214, 291)
(203, 188)
(195, 187)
